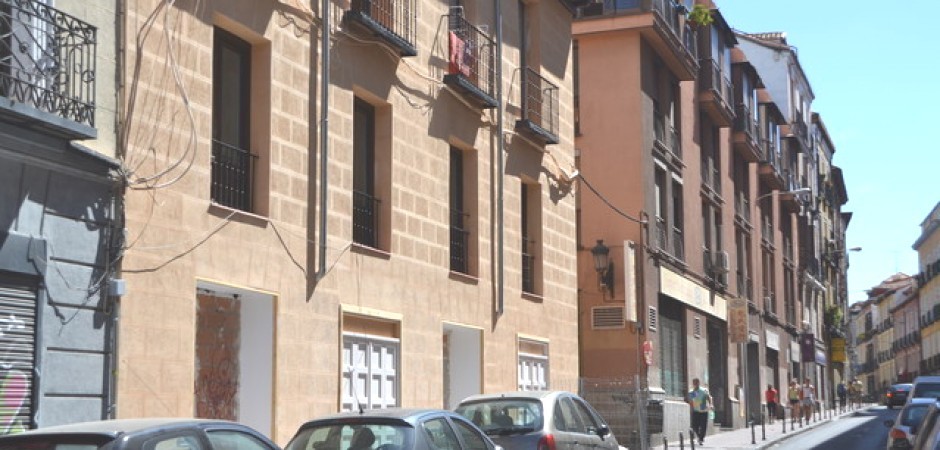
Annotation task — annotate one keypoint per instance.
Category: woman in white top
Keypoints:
(809, 399)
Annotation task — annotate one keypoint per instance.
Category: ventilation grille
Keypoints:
(605, 317)
(653, 318)
(697, 327)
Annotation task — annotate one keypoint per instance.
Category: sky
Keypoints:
(874, 68)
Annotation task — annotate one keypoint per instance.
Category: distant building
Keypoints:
(927, 246)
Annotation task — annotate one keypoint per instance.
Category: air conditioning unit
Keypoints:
(721, 264)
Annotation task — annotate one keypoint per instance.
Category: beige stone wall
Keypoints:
(177, 238)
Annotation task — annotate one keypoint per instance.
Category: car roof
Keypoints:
(922, 400)
(117, 427)
(535, 395)
(902, 384)
(409, 415)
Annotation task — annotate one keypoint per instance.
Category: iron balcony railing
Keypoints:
(742, 206)
(717, 82)
(471, 53)
(47, 60)
(711, 176)
(459, 242)
(689, 40)
(745, 285)
(662, 237)
(799, 129)
(540, 102)
(744, 121)
(232, 176)
(678, 247)
(393, 20)
(769, 153)
(666, 135)
(528, 266)
(770, 305)
(668, 10)
(365, 219)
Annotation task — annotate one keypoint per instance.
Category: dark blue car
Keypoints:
(141, 434)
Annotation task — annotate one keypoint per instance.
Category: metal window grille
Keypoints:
(232, 172)
(47, 60)
(528, 266)
(459, 242)
(365, 219)
(540, 101)
(473, 53)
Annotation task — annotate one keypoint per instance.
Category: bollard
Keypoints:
(681, 441)
(666, 443)
(784, 421)
(753, 437)
(763, 431)
(692, 439)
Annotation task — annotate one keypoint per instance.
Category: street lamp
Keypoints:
(603, 266)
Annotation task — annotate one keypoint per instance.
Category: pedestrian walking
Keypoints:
(841, 392)
(793, 395)
(701, 402)
(808, 394)
(770, 396)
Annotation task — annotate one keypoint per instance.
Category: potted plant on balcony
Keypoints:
(699, 15)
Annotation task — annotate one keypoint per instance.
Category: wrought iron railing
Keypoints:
(689, 40)
(459, 242)
(769, 153)
(365, 219)
(232, 176)
(745, 285)
(395, 17)
(742, 206)
(540, 101)
(471, 53)
(47, 60)
(662, 237)
(666, 135)
(528, 266)
(743, 121)
(678, 246)
(799, 129)
(717, 82)
(669, 10)
(711, 176)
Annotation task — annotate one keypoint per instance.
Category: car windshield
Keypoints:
(913, 414)
(353, 436)
(931, 390)
(902, 388)
(504, 416)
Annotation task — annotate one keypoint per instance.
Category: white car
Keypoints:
(906, 424)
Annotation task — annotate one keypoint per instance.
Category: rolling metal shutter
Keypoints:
(17, 351)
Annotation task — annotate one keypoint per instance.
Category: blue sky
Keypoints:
(874, 67)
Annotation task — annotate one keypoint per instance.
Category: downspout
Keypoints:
(324, 131)
(500, 285)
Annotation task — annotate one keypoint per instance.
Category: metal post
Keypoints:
(763, 430)
(666, 443)
(681, 441)
(692, 439)
(753, 430)
(784, 420)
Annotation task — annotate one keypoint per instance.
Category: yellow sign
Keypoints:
(837, 350)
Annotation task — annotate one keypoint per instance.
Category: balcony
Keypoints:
(470, 69)
(678, 246)
(232, 176)
(657, 20)
(799, 130)
(715, 96)
(662, 237)
(392, 21)
(746, 134)
(539, 120)
(47, 69)
(742, 209)
(666, 139)
(769, 170)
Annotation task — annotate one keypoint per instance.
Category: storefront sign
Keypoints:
(837, 350)
(773, 340)
(807, 347)
(820, 357)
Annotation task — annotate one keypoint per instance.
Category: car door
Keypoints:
(471, 438)
(570, 430)
(439, 435)
(597, 438)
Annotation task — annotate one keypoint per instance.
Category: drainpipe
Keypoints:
(500, 285)
(324, 130)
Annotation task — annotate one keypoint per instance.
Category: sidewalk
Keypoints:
(771, 434)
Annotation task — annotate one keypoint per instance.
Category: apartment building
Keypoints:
(876, 338)
(59, 211)
(357, 203)
(927, 246)
(905, 314)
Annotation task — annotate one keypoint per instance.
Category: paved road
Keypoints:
(863, 430)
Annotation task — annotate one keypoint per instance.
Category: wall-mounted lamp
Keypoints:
(603, 266)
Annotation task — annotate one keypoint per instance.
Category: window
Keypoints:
(471, 437)
(463, 211)
(678, 243)
(365, 202)
(533, 365)
(531, 228)
(232, 160)
(226, 439)
(567, 417)
(441, 436)
(371, 353)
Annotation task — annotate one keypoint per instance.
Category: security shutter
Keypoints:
(17, 351)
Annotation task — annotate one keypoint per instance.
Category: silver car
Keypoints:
(545, 420)
(904, 427)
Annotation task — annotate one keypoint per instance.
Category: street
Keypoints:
(863, 430)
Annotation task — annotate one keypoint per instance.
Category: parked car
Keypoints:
(897, 394)
(134, 434)
(925, 387)
(927, 436)
(391, 429)
(546, 420)
(906, 424)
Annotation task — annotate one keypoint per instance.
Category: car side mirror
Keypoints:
(603, 430)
